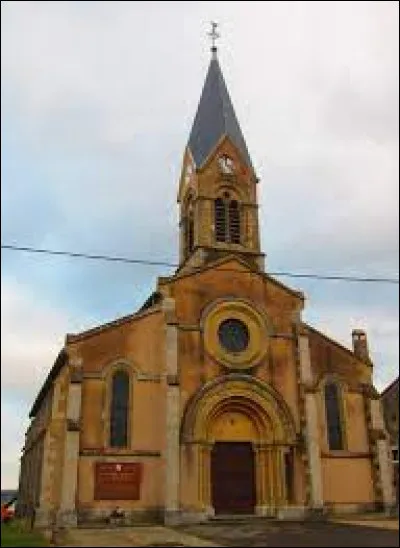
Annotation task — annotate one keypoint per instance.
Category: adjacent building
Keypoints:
(390, 404)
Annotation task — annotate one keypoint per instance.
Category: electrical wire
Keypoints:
(128, 260)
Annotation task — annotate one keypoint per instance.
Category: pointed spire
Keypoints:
(215, 115)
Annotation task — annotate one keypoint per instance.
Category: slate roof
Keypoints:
(215, 118)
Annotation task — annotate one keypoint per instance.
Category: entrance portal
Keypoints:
(232, 478)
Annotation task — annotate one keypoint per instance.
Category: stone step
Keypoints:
(237, 517)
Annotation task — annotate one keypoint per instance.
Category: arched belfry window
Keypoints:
(333, 416)
(227, 219)
(234, 222)
(190, 231)
(220, 220)
(119, 409)
(188, 226)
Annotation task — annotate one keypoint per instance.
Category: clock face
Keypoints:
(233, 335)
(226, 164)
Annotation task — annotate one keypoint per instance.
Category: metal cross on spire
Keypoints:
(213, 35)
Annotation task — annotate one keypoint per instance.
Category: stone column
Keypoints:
(278, 477)
(382, 452)
(281, 474)
(66, 515)
(43, 512)
(206, 478)
(262, 508)
(205, 221)
(271, 490)
(171, 510)
(44, 515)
(312, 435)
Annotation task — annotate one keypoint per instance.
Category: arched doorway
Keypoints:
(239, 430)
(233, 488)
(232, 431)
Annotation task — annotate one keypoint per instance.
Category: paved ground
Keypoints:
(129, 536)
(257, 533)
(273, 533)
(368, 521)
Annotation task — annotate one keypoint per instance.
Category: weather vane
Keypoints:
(213, 35)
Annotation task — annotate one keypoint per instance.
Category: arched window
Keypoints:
(190, 232)
(227, 220)
(220, 220)
(234, 222)
(188, 226)
(333, 418)
(119, 409)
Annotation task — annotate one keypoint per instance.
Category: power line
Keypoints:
(88, 256)
(174, 265)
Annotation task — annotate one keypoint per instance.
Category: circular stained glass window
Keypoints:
(233, 335)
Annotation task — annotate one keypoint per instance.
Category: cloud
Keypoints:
(12, 438)
(32, 334)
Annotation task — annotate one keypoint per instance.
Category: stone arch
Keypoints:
(122, 364)
(269, 413)
(237, 192)
(271, 431)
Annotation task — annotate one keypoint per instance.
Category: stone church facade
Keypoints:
(215, 397)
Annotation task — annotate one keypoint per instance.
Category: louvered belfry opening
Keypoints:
(234, 222)
(188, 226)
(190, 233)
(227, 220)
(220, 220)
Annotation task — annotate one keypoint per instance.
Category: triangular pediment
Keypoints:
(233, 263)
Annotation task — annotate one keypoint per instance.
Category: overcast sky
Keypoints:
(97, 102)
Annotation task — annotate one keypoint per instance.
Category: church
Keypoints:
(215, 398)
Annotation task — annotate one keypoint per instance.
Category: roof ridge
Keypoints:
(74, 337)
(330, 339)
(390, 386)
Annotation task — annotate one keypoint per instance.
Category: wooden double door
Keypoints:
(233, 478)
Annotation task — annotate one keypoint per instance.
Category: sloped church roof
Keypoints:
(215, 118)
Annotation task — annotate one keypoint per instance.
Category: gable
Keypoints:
(225, 145)
(329, 357)
(230, 277)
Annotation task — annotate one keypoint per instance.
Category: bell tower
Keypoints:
(218, 186)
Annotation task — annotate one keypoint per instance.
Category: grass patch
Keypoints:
(17, 533)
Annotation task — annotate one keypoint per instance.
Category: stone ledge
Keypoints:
(76, 375)
(344, 454)
(172, 380)
(73, 425)
(294, 513)
(101, 516)
(345, 509)
(121, 454)
(66, 518)
(377, 434)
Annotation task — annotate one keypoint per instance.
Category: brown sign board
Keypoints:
(117, 480)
